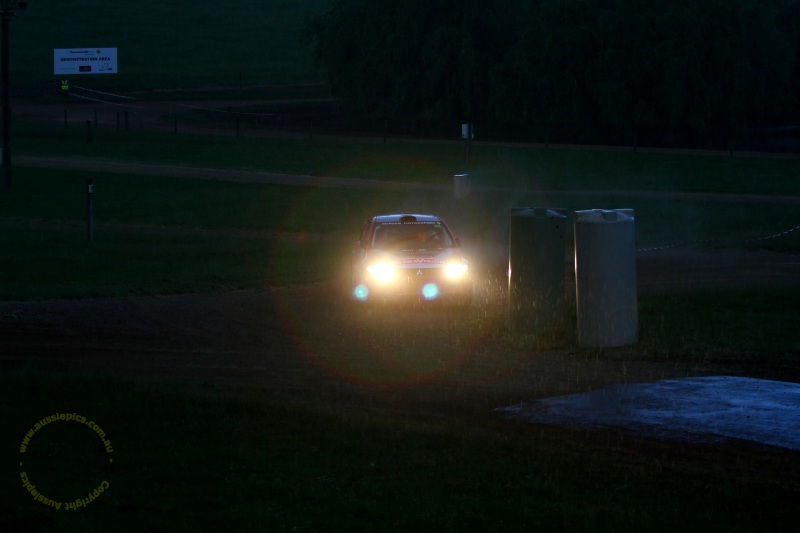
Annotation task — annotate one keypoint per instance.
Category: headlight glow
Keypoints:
(455, 270)
(382, 271)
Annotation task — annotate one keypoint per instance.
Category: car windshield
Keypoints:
(411, 236)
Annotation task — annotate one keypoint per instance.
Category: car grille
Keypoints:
(420, 276)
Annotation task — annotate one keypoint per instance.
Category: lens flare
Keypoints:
(386, 348)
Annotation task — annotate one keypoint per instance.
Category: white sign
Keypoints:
(84, 61)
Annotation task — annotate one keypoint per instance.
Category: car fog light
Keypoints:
(361, 292)
(430, 291)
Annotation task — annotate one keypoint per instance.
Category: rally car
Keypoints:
(411, 257)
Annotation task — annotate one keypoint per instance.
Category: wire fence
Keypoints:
(715, 242)
(128, 113)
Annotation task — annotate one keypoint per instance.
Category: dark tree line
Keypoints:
(696, 73)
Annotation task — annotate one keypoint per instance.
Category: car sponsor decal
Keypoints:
(421, 261)
(412, 223)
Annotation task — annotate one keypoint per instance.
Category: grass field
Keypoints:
(189, 458)
(500, 165)
(221, 224)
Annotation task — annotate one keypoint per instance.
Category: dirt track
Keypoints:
(308, 340)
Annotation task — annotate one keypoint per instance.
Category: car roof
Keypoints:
(406, 217)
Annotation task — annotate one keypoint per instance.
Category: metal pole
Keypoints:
(89, 210)
(469, 141)
(466, 133)
(6, 154)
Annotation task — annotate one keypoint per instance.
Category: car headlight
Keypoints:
(382, 271)
(455, 270)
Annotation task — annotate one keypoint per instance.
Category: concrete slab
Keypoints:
(712, 408)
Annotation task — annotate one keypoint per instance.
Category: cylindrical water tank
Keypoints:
(461, 185)
(536, 268)
(605, 277)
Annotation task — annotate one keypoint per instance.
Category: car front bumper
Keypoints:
(426, 284)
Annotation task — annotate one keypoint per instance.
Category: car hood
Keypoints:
(419, 258)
